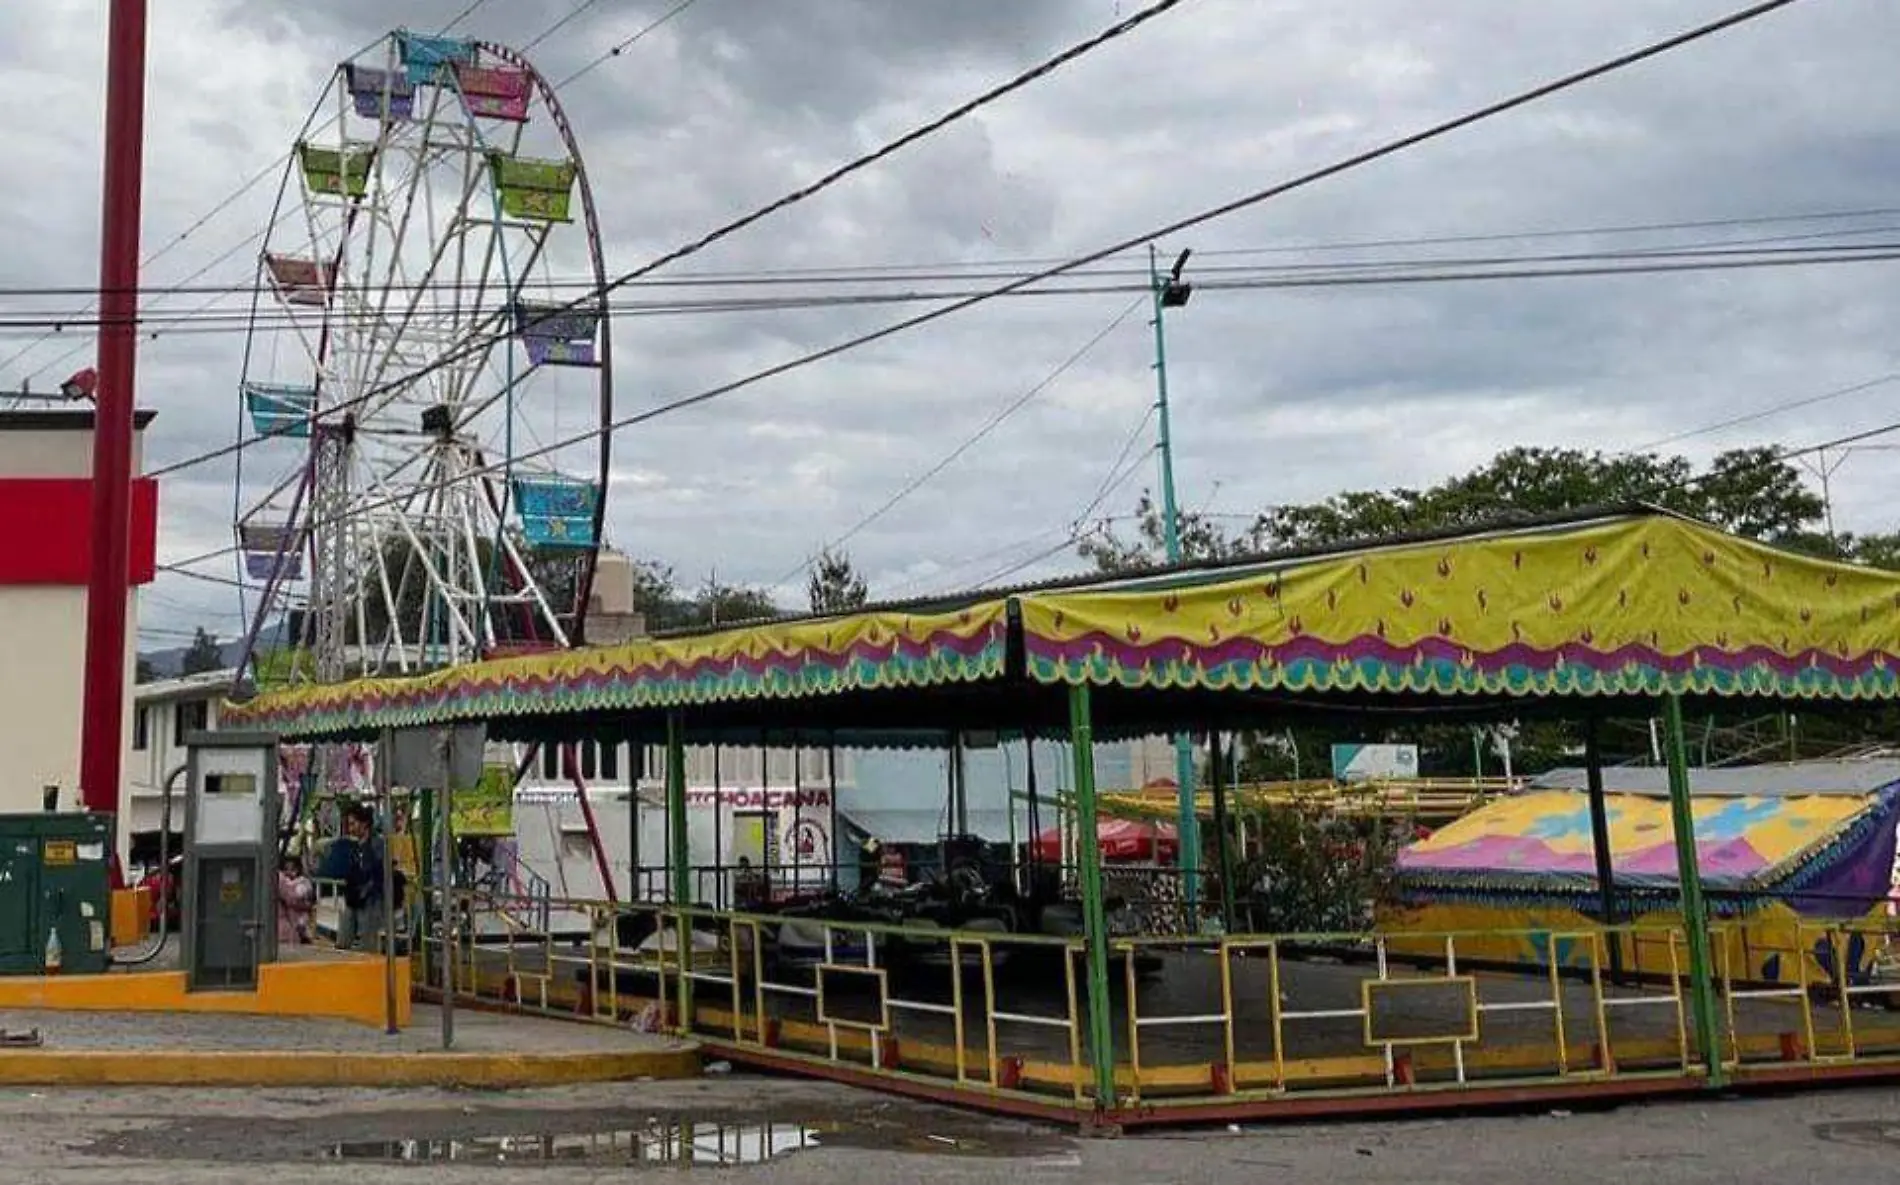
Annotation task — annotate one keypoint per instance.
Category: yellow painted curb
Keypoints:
(346, 987)
(116, 1067)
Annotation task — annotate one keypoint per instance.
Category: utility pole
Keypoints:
(1172, 292)
(1824, 467)
(101, 741)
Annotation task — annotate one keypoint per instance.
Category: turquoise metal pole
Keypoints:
(1094, 917)
(1187, 822)
(1695, 915)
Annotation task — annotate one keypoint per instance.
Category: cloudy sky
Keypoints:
(1280, 394)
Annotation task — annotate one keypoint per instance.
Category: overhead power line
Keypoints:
(1077, 529)
(1358, 160)
(1041, 70)
(1651, 493)
(473, 7)
(1110, 480)
(949, 270)
(176, 241)
(557, 26)
(274, 167)
(204, 219)
(1000, 270)
(1084, 523)
(225, 322)
(621, 47)
(973, 439)
(1771, 410)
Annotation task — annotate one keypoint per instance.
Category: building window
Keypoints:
(189, 716)
(817, 770)
(610, 763)
(550, 763)
(590, 764)
(142, 728)
(780, 767)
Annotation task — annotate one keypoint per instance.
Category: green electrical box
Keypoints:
(55, 893)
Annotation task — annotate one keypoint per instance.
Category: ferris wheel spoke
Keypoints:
(479, 360)
(394, 273)
(437, 531)
(471, 411)
(377, 368)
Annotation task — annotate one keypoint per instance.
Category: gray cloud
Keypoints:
(1280, 394)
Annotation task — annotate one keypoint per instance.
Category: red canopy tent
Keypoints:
(1120, 839)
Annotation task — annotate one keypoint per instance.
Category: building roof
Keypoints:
(202, 685)
(1857, 776)
(1518, 617)
(61, 419)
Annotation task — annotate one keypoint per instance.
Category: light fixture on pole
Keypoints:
(1173, 292)
(84, 384)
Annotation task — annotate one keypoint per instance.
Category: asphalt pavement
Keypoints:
(768, 1131)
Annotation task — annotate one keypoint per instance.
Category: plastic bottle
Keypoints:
(55, 953)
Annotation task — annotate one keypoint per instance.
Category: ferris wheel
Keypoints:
(428, 329)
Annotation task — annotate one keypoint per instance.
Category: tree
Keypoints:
(725, 604)
(834, 586)
(204, 655)
(1753, 492)
(1876, 551)
(656, 597)
(146, 672)
(1200, 539)
(1317, 871)
(1748, 491)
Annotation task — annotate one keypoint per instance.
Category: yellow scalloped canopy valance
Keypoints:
(1627, 605)
(775, 660)
(1634, 604)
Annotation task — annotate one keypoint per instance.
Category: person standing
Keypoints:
(296, 898)
(355, 859)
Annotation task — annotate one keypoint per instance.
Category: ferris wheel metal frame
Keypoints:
(396, 418)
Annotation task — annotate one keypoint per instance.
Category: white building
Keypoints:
(45, 562)
(618, 766)
(773, 808)
(164, 713)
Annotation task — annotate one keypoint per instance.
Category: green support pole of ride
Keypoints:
(1695, 915)
(1220, 774)
(1094, 917)
(680, 892)
(1187, 822)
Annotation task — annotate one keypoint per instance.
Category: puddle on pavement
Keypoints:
(524, 1137)
(1863, 1133)
(684, 1143)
